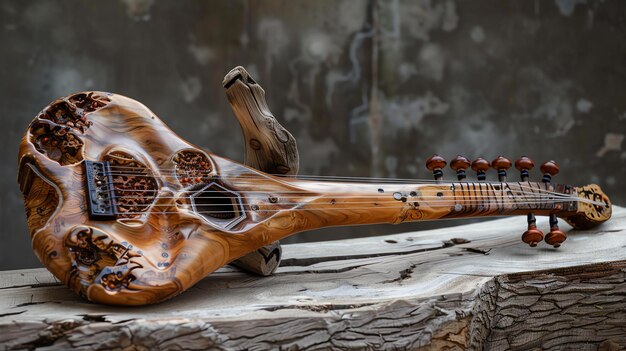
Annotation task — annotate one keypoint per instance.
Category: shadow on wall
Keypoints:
(368, 88)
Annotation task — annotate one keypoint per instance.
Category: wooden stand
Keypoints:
(466, 287)
(269, 148)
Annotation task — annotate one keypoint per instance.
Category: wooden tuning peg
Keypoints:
(435, 164)
(556, 236)
(532, 236)
(524, 164)
(501, 164)
(460, 164)
(481, 166)
(549, 170)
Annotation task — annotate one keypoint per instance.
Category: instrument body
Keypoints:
(180, 213)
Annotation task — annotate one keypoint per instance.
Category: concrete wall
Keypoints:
(368, 88)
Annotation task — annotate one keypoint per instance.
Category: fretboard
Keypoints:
(480, 198)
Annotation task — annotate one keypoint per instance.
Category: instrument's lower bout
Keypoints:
(125, 212)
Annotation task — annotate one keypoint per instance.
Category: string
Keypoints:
(535, 192)
(174, 172)
(301, 177)
(543, 196)
(321, 208)
(414, 181)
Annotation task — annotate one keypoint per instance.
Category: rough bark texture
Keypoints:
(467, 287)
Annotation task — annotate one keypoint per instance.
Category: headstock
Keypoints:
(589, 214)
(592, 206)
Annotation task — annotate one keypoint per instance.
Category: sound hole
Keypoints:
(192, 167)
(136, 187)
(218, 205)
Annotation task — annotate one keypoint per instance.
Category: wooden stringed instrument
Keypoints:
(125, 212)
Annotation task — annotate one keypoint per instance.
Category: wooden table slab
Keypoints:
(474, 286)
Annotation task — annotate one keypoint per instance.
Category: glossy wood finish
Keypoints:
(549, 167)
(501, 163)
(524, 164)
(160, 246)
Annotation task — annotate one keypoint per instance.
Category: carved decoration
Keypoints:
(192, 167)
(71, 111)
(56, 142)
(98, 259)
(590, 215)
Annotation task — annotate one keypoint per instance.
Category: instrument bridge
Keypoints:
(100, 190)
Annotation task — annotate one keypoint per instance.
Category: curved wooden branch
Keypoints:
(268, 147)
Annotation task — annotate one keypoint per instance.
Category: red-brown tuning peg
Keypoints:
(556, 236)
(435, 164)
(460, 164)
(480, 166)
(549, 170)
(533, 235)
(501, 164)
(524, 164)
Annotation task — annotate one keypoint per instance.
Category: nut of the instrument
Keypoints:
(550, 167)
(532, 236)
(501, 162)
(459, 163)
(524, 163)
(480, 164)
(556, 237)
(435, 162)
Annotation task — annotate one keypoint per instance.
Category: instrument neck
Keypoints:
(349, 203)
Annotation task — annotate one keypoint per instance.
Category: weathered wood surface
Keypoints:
(466, 287)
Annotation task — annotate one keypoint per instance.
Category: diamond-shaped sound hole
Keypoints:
(219, 206)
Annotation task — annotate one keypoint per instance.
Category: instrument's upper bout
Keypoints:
(589, 214)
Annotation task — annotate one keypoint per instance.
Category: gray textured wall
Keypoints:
(480, 78)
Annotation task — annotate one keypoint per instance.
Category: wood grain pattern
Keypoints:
(269, 147)
(469, 287)
(161, 244)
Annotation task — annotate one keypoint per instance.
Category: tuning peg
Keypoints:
(501, 164)
(533, 235)
(435, 164)
(556, 236)
(480, 166)
(460, 164)
(549, 170)
(524, 164)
